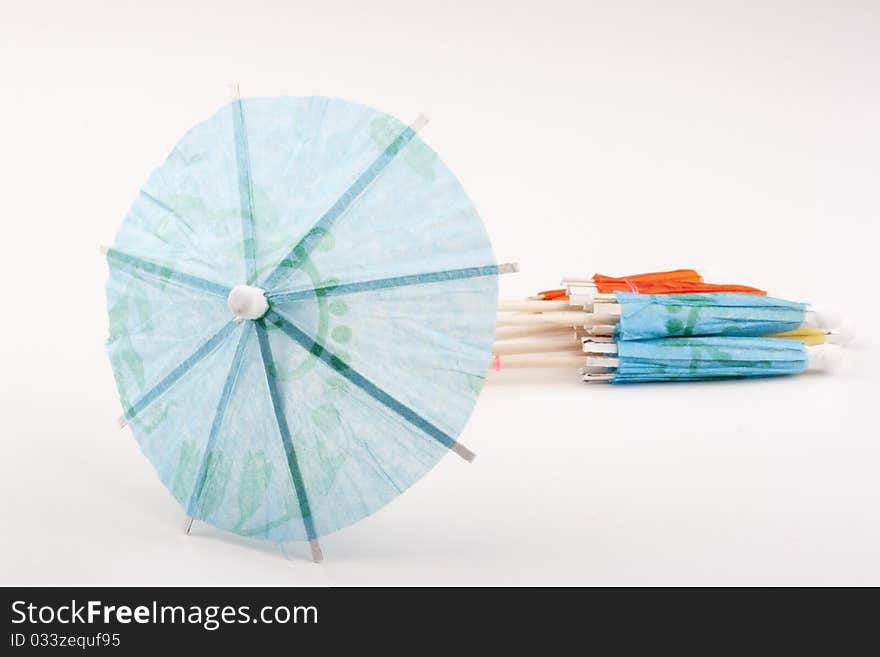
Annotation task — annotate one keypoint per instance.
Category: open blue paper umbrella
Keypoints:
(693, 359)
(646, 316)
(302, 304)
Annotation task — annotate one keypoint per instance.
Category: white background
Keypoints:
(593, 136)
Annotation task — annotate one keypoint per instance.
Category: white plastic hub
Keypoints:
(841, 335)
(823, 317)
(825, 357)
(247, 302)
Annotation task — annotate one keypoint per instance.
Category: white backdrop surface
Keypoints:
(614, 137)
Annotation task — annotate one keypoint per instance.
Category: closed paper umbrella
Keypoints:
(694, 359)
(667, 315)
(302, 303)
(580, 291)
(613, 283)
(680, 281)
(645, 316)
(610, 360)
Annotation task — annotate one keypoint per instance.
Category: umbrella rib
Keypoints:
(172, 377)
(294, 259)
(245, 190)
(396, 281)
(222, 404)
(162, 272)
(287, 442)
(327, 357)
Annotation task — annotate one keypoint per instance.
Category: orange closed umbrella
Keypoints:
(673, 287)
(606, 284)
(678, 281)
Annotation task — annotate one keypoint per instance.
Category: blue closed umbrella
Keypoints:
(704, 358)
(302, 304)
(647, 316)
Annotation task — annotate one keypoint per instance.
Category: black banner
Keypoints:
(409, 620)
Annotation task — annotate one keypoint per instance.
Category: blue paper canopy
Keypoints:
(381, 284)
(692, 359)
(647, 316)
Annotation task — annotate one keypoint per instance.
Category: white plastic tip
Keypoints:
(826, 317)
(825, 357)
(578, 298)
(842, 335)
(247, 302)
(104, 249)
(420, 122)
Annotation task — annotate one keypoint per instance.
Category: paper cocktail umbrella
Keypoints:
(645, 316)
(693, 359)
(673, 359)
(679, 281)
(302, 304)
